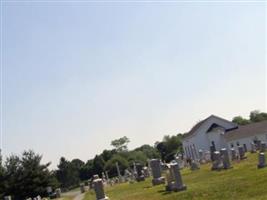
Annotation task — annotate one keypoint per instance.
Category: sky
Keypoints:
(78, 75)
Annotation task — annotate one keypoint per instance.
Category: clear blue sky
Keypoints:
(76, 77)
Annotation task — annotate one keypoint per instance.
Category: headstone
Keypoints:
(82, 187)
(156, 172)
(253, 147)
(99, 190)
(178, 182)
(95, 176)
(212, 150)
(262, 162)
(107, 177)
(263, 147)
(58, 192)
(225, 158)
(170, 180)
(233, 154)
(180, 162)
(194, 165)
(217, 163)
(201, 156)
(118, 170)
(146, 172)
(241, 152)
(49, 190)
(207, 156)
(140, 174)
(258, 144)
(7, 198)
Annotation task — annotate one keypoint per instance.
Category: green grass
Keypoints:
(244, 181)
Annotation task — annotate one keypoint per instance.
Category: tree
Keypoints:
(87, 171)
(67, 174)
(138, 157)
(110, 166)
(121, 144)
(240, 120)
(98, 164)
(149, 151)
(26, 176)
(257, 116)
(107, 154)
(169, 147)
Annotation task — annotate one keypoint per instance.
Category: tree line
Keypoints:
(25, 176)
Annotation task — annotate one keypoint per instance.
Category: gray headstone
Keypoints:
(194, 165)
(241, 152)
(178, 182)
(217, 162)
(262, 161)
(169, 179)
(258, 144)
(225, 158)
(95, 176)
(99, 190)
(263, 147)
(156, 172)
(233, 154)
(146, 172)
(58, 192)
(140, 172)
(118, 170)
(253, 147)
(201, 156)
(82, 188)
(49, 189)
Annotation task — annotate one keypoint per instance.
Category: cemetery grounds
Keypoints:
(243, 182)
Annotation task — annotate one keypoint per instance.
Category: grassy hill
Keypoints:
(244, 181)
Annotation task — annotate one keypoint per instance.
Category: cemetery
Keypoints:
(229, 172)
(237, 179)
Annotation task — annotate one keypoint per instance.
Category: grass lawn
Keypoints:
(244, 181)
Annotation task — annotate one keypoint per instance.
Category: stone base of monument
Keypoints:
(169, 187)
(261, 166)
(158, 181)
(179, 189)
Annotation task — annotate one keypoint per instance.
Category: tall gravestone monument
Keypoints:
(178, 182)
(156, 172)
(241, 152)
(99, 190)
(225, 158)
(262, 162)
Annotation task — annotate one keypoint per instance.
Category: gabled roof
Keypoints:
(248, 130)
(199, 124)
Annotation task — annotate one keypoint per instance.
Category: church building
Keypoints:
(215, 132)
